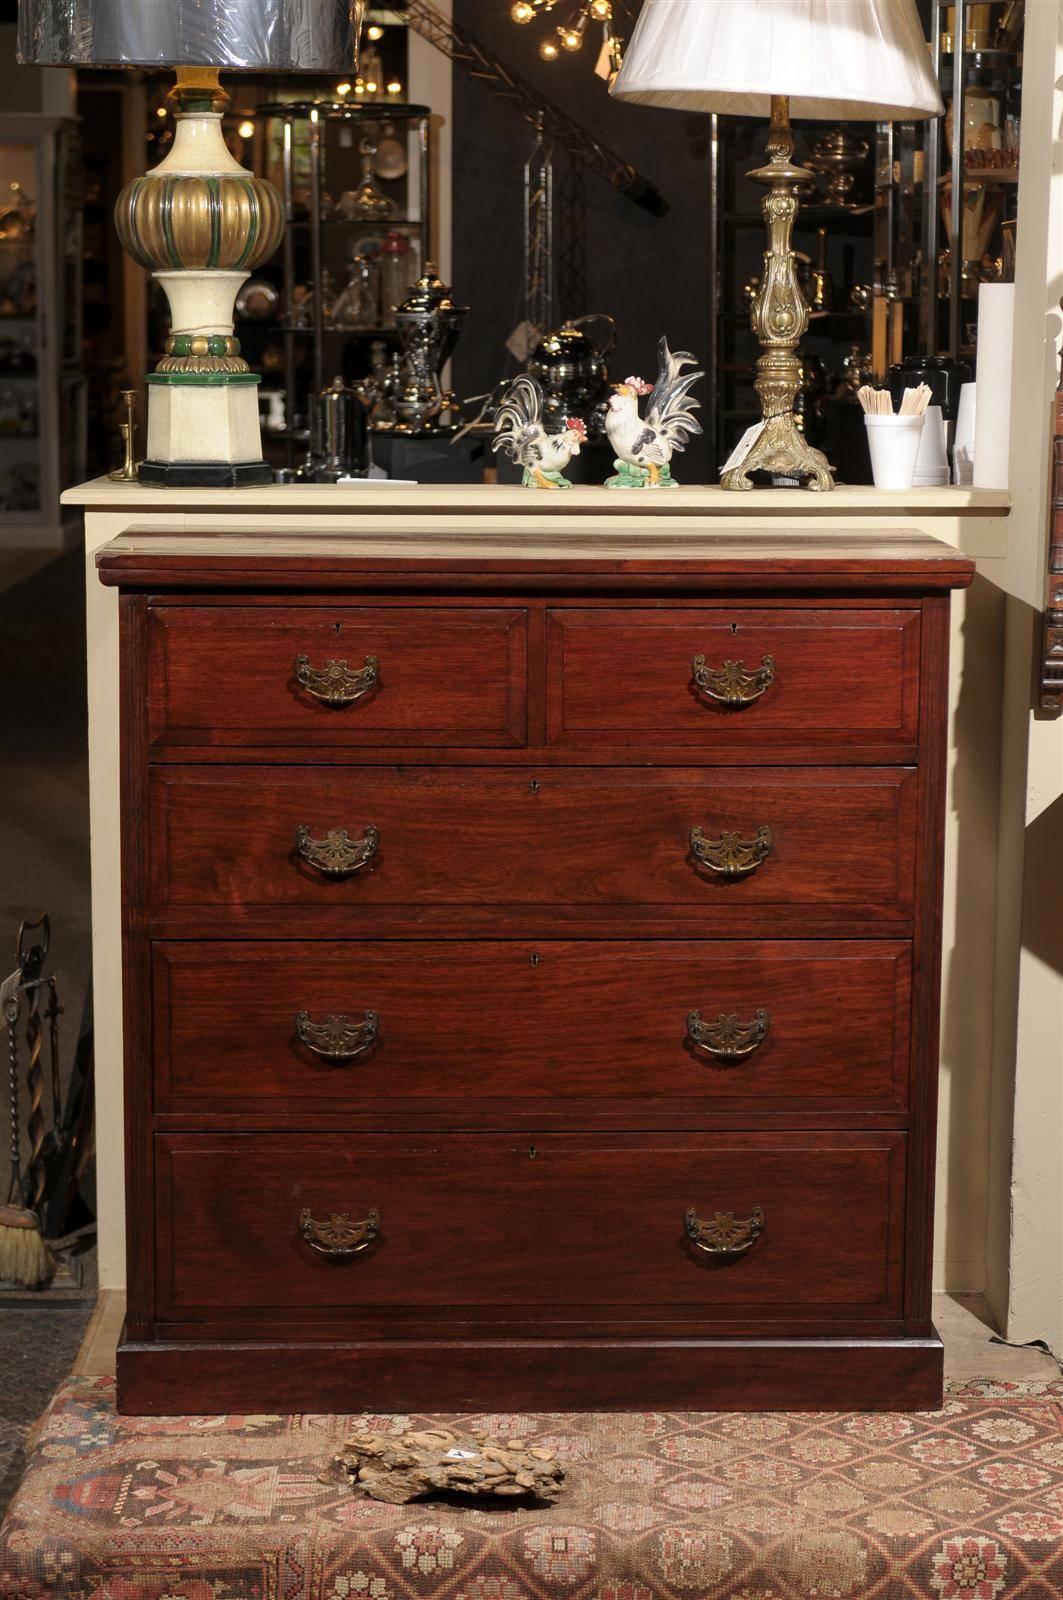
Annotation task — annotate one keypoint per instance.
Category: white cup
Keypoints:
(932, 462)
(894, 445)
(963, 440)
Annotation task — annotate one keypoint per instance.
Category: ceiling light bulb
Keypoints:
(522, 11)
(374, 32)
(343, 88)
(394, 87)
(549, 50)
(371, 86)
(571, 38)
(160, 111)
(247, 130)
(600, 10)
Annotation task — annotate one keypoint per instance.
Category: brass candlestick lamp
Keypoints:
(824, 59)
(779, 318)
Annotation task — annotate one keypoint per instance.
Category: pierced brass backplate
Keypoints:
(731, 685)
(725, 1234)
(337, 854)
(339, 1238)
(727, 1037)
(337, 684)
(337, 1039)
(731, 856)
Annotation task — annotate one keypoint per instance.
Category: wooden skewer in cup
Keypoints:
(876, 402)
(915, 401)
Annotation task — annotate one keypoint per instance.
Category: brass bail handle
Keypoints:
(338, 1238)
(733, 684)
(337, 684)
(724, 1234)
(337, 855)
(336, 1038)
(727, 1037)
(731, 856)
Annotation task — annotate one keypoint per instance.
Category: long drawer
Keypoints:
(338, 675)
(479, 1028)
(335, 849)
(456, 1227)
(738, 677)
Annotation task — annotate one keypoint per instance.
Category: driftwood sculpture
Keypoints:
(436, 1461)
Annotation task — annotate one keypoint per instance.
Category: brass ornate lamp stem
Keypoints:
(779, 318)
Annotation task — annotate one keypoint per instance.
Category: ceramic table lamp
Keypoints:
(863, 60)
(198, 220)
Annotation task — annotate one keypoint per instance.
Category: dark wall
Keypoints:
(650, 274)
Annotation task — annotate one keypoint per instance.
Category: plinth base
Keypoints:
(177, 1377)
(204, 474)
(203, 431)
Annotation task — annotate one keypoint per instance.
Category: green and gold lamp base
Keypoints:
(201, 223)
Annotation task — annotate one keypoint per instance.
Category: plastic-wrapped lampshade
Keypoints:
(861, 59)
(262, 35)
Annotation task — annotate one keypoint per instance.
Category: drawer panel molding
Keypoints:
(666, 1027)
(552, 1222)
(735, 678)
(613, 841)
(345, 676)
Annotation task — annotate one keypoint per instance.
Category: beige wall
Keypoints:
(1025, 1241)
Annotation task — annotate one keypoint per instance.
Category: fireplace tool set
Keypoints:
(40, 1188)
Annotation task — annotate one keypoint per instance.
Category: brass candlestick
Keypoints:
(127, 472)
(779, 317)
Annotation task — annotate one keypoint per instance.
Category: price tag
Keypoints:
(743, 447)
(523, 340)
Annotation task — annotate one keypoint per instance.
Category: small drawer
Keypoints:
(353, 850)
(336, 675)
(480, 1030)
(740, 679)
(467, 1227)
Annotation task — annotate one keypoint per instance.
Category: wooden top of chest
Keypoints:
(316, 558)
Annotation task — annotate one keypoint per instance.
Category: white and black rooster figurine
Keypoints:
(645, 446)
(520, 433)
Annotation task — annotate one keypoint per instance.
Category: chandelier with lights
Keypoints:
(568, 36)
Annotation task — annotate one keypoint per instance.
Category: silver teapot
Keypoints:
(571, 368)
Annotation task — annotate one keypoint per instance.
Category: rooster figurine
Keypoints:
(644, 446)
(520, 433)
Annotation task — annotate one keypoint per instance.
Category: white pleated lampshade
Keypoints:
(861, 59)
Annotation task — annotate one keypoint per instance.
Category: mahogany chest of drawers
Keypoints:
(531, 973)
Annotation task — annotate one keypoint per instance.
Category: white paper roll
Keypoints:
(992, 425)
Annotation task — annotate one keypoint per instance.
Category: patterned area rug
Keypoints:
(961, 1504)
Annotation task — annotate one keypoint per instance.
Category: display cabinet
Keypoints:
(42, 386)
(356, 182)
(978, 54)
